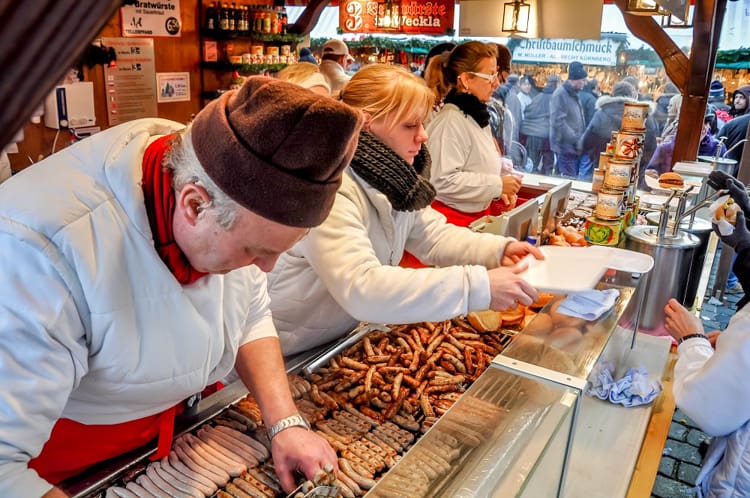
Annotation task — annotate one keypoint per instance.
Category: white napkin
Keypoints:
(590, 304)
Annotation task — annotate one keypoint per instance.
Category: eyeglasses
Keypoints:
(487, 77)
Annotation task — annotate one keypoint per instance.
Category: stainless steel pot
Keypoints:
(674, 258)
(728, 166)
(701, 228)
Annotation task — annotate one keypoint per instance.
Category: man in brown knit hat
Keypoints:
(132, 278)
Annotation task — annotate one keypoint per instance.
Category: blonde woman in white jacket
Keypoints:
(345, 270)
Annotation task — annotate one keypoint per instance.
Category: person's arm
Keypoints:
(43, 355)
(709, 386)
(261, 367)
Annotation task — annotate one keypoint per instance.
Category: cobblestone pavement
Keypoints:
(682, 458)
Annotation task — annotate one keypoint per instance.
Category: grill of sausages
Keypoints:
(371, 402)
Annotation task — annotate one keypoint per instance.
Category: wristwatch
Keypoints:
(295, 420)
(691, 336)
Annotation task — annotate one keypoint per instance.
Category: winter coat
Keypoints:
(661, 160)
(345, 270)
(335, 74)
(567, 122)
(95, 327)
(536, 114)
(465, 164)
(710, 388)
(743, 90)
(607, 118)
(588, 102)
(735, 131)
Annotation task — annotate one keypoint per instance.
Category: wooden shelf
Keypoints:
(251, 35)
(244, 69)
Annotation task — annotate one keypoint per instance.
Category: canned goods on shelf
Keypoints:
(609, 204)
(634, 116)
(597, 180)
(618, 174)
(602, 232)
(628, 144)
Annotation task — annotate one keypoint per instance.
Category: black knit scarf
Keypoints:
(404, 185)
(470, 105)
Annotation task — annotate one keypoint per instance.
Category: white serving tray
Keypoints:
(567, 270)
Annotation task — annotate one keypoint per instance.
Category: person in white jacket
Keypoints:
(711, 386)
(466, 162)
(345, 270)
(131, 277)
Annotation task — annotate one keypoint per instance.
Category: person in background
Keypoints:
(661, 161)
(608, 118)
(588, 96)
(466, 162)
(673, 117)
(649, 141)
(333, 64)
(709, 384)
(518, 101)
(567, 123)
(307, 76)
(717, 97)
(535, 129)
(740, 99)
(503, 124)
(434, 78)
(661, 114)
(306, 55)
(735, 131)
(345, 270)
(145, 284)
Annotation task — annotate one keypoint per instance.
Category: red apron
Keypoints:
(454, 217)
(73, 447)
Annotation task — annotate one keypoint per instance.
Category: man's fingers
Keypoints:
(285, 477)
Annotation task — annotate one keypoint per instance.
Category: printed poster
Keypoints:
(151, 18)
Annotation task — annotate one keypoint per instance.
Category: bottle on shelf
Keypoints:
(267, 20)
(284, 21)
(258, 17)
(275, 25)
(224, 17)
(232, 17)
(212, 21)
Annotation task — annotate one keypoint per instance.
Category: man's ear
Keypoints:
(191, 201)
(368, 120)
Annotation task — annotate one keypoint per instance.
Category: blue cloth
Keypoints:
(590, 304)
(635, 388)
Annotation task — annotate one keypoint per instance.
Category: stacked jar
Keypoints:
(616, 179)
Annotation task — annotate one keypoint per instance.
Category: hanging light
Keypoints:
(645, 8)
(678, 19)
(516, 17)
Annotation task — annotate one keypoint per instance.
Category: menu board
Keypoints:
(130, 82)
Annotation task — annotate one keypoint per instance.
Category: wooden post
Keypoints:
(691, 75)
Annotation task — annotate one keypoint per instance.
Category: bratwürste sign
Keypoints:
(592, 52)
(400, 16)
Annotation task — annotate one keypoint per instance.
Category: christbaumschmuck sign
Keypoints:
(407, 16)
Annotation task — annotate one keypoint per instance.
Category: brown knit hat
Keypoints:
(277, 149)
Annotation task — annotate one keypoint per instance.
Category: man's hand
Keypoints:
(515, 252)
(739, 239)
(719, 180)
(511, 184)
(508, 290)
(679, 322)
(298, 449)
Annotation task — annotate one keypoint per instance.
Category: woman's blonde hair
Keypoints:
(443, 70)
(304, 74)
(389, 92)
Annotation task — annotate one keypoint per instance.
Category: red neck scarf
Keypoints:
(160, 204)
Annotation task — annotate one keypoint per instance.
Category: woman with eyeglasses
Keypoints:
(345, 271)
(466, 162)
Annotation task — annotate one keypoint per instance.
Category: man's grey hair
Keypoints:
(186, 169)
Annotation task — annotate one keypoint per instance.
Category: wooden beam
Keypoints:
(647, 29)
(708, 17)
(309, 18)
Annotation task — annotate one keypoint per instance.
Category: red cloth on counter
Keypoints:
(457, 217)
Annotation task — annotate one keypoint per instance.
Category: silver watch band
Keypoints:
(295, 420)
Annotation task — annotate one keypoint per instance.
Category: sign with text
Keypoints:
(131, 83)
(151, 18)
(591, 52)
(406, 16)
